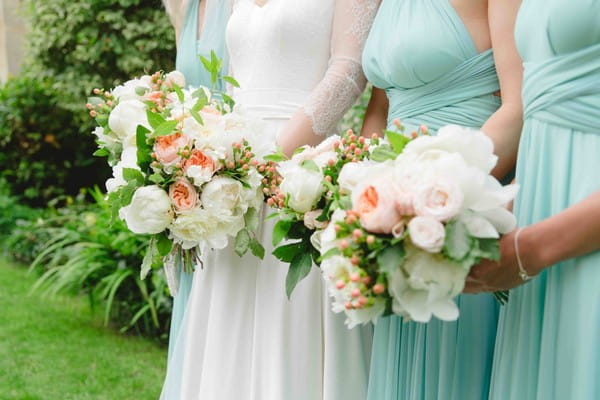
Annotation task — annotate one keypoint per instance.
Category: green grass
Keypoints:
(55, 349)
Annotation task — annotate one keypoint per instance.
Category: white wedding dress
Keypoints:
(241, 338)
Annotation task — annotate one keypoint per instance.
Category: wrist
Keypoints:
(532, 251)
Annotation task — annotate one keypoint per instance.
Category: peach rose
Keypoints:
(167, 148)
(183, 195)
(441, 200)
(376, 206)
(154, 97)
(199, 167)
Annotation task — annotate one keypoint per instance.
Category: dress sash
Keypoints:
(463, 96)
(565, 90)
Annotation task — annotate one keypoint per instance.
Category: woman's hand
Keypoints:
(493, 276)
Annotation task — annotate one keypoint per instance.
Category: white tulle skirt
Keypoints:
(242, 339)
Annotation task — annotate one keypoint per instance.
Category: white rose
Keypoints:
(303, 186)
(175, 77)
(129, 89)
(128, 160)
(326, 239)
(125, 118)
(427, 233)
(425, 286)
(149, 212)
(356, 173)
(441, 200)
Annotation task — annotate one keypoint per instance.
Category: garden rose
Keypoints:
(149, 212)
(200, 167)
(129, 89)
(311, 222)
(183, 195)
(375, 204)
(175, 77)
(427, 233)
(439, 199)
(356, 173)
(168, 148)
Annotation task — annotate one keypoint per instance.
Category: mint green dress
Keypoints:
(421, 53)
(188, 62)
(548, 345)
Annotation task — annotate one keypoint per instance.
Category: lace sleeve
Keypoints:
(344, 80)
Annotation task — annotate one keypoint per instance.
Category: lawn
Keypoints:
(55, 349)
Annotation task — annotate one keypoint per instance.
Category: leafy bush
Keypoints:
(45, 142)
(79, 252)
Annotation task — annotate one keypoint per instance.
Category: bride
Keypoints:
(298, 64)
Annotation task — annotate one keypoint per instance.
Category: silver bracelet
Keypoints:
(522, 272)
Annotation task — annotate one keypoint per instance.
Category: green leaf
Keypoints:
(197, 117)
(288, 252)
(144, 150)
(163, 244)
(179, 92)
(101, 152)
(397, 140)
(242, 242)
(228, 100)
(330, 253)
(154, 119)
(132, 174)
(489, 248)
(140, 90)
(166, 128)
(156, 178)
(151, 253)
(383, 153)
(310, 165)
(299, 269)
(458, 243)
(391, 258)
(257, 249)
(280, 231)
(252, 220)
(231, 80)
(277, 157)
(201, 103)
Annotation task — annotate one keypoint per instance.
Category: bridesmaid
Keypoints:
(439, 69)
(194, 39)
(548, 343)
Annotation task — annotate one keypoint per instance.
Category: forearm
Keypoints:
(376, 115)
(504, 128)
(571, 233)
(298, 132)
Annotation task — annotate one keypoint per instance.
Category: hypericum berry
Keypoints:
(245, 167)
(370, 239)
(331, 162)
(362, 300)
(336, 145)
(337, 228)
(355, 277)
(357, 234)
(96, 91)
(358, 152)
(366, 280)
(340, 284)
(328, 178)
(355, 260)
(93, 114)
(378, 288)
(350, 219)
(89, 106)
(348, 306)
(355, 293)
(361, 140)
(343, 244)
(270, 201)
(231, 165)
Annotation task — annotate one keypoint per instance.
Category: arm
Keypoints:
(504, 126)
(377, 112)
(175, 10)
(571, 233)
(343, 82)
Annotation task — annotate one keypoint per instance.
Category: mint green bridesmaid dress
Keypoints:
(421, 53)
(548, 345)
(188, 62)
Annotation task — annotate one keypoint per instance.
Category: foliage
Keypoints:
(74, 46)
(44, 155)
(80, 252)
(55, 348)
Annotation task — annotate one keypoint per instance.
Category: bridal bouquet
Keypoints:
(184, 166)
(416, 223)
(304, 191)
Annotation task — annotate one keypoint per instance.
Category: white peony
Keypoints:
(303, 186)
(365, 315)
(474, 146)
(356, 173)
(426, 285)
(128, 160)
(125, 118)
(191, 228)
(427, 233)
(149, 212)
(109, 141)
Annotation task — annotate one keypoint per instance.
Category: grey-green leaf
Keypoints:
(391, 258)
(299, 269)
(242, 242)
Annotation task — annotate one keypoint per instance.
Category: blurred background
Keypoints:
(76, 321)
